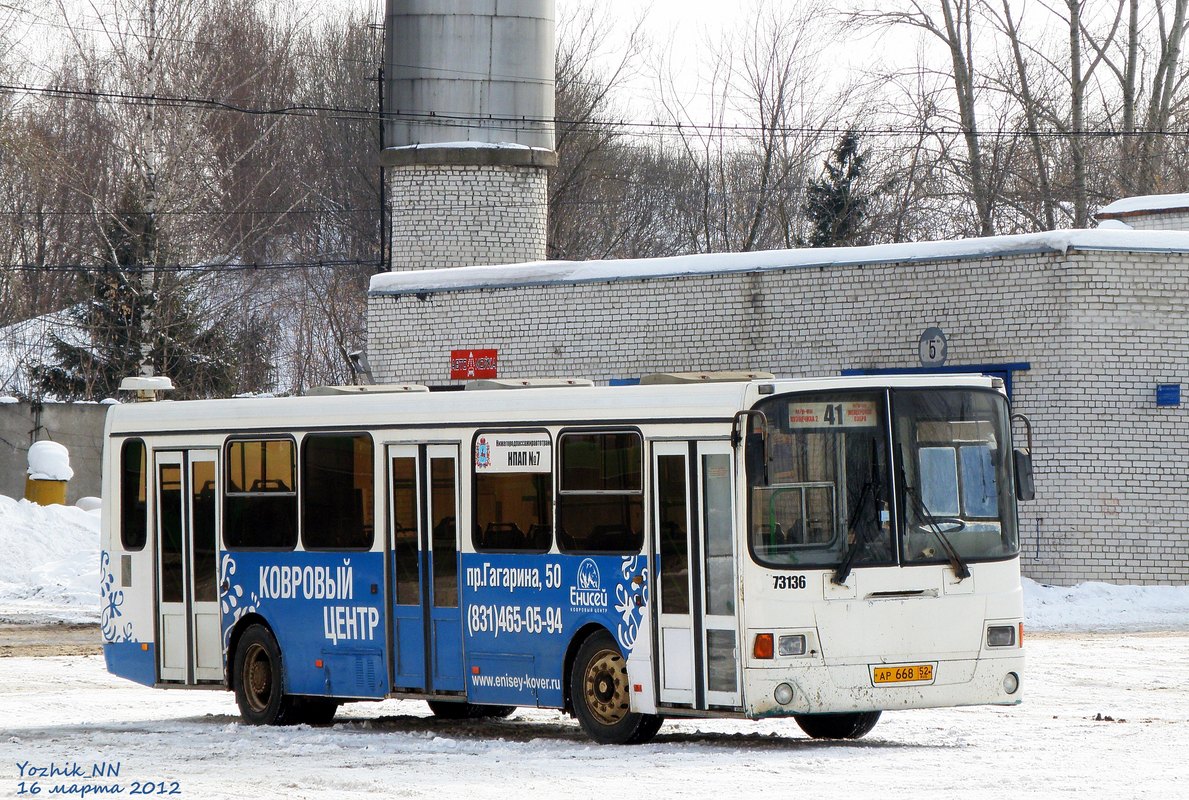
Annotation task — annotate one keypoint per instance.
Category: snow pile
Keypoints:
(49, 461)
(1105, 607)
(49, 563)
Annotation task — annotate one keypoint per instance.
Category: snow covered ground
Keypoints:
(1105, 714)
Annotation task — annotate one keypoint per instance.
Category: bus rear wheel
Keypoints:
(315, 711)
(444, 709)
(260, 680)
(838, 726)
(601, 695)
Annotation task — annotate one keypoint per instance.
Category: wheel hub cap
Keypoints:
(607, 687)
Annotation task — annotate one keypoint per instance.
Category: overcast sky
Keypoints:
(679, 30)
(682, 30)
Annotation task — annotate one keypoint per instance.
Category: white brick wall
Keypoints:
(453, 216)
(1158, 219)
(1176, 220)
(1100, 330)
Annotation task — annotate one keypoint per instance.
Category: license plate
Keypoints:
(902, 673)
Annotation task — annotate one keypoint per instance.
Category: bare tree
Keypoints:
(591, 146)
(225, 187)
(771, 117)
(952, 25)
(1150, 52)
(1021, 83)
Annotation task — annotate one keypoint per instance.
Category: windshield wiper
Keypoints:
(844, 569)
(861, 539)
(961, 570)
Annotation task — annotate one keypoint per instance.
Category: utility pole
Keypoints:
(385, 217)
(385, 261)
(148, 269)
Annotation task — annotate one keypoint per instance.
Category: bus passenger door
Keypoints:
(694, 543)
(187, 566)
(404, 523)
(423, 531)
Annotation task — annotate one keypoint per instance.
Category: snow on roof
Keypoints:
(1129, 206)
(1113, 225)
(552, 272)
(468, 145)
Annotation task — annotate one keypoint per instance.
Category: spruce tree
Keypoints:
(125, 312)
(835, 203)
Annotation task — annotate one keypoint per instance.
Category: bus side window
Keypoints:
(262, 516)
(134, 520)
(600, 504)
(512, 512)
(336, 492)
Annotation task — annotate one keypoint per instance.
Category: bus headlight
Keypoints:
(792, 645)
(1001, 636)
(1011, 683)
(783, 694)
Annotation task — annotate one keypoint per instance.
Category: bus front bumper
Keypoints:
(823, 689)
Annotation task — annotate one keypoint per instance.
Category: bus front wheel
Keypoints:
(838, 726)
(260, 680)
(601, 695)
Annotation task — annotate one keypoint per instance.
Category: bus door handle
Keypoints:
(225, 586)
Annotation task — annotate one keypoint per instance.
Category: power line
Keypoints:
(198, 268)
(492, 122)
(241, 213)
(178, 101)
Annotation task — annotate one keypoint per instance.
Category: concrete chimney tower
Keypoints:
(468, 130)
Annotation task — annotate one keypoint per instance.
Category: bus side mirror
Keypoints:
(755, 452)
(1025, 486)
(1022, 461)
(756, 459)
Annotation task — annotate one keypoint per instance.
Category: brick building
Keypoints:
(1089, 328)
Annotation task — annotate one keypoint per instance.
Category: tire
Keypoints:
(444, 709)
(601, 696)
(316, 711)
(260, 680)
(838, 726)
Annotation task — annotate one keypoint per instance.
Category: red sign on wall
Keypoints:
(472, 364)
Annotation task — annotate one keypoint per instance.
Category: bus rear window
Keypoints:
(260, 498)
(600, 504)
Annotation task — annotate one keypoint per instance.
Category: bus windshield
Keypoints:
(828, 490)
(954, 476)
(830, 499)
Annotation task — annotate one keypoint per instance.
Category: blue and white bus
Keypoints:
(820, 549)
